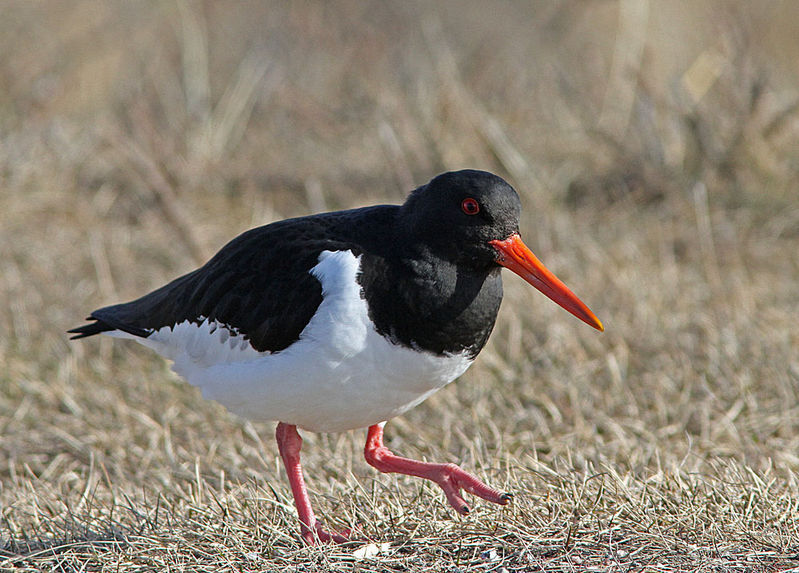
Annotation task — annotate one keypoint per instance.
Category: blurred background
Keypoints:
(653, 143)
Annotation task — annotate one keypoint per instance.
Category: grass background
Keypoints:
(654, 147)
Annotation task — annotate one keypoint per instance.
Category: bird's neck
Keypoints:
(424, 301)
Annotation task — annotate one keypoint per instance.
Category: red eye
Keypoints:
(470, 206)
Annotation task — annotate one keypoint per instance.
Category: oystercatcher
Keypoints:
(344, 320)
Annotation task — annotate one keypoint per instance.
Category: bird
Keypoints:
(344, 320)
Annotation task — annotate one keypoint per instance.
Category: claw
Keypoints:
(319, 535)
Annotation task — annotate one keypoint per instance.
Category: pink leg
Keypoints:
(289, 443)
(449, 477)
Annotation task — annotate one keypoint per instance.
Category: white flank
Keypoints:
(340, 375)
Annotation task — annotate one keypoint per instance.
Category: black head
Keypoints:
(458, 213)
(471, 218)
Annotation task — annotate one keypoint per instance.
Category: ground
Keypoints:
(653, 145)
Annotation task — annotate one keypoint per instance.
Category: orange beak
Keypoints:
(513, 254)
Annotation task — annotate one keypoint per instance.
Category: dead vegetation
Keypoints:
(654, 145)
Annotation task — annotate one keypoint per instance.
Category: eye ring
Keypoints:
(470, 206)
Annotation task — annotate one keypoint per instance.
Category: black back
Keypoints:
(258, 285)
(428, 274)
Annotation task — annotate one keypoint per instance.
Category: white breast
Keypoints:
(341, 374)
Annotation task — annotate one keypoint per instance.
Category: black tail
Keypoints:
(107, 323)
(90, 329)
(141, 317)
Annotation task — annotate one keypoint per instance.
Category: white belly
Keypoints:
(341, 374)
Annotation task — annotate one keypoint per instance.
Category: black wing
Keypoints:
(259, 285)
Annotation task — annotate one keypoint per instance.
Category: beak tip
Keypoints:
(591, 320)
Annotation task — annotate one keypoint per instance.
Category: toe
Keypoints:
(457, 502)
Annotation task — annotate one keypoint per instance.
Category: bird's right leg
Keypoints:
(289, 443)
(451, 478)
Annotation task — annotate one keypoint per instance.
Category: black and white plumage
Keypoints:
(343, 320)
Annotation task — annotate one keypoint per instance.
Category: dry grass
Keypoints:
(659, 176)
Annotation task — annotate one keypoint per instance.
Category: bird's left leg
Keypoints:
(449, 477)
(289, 443)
